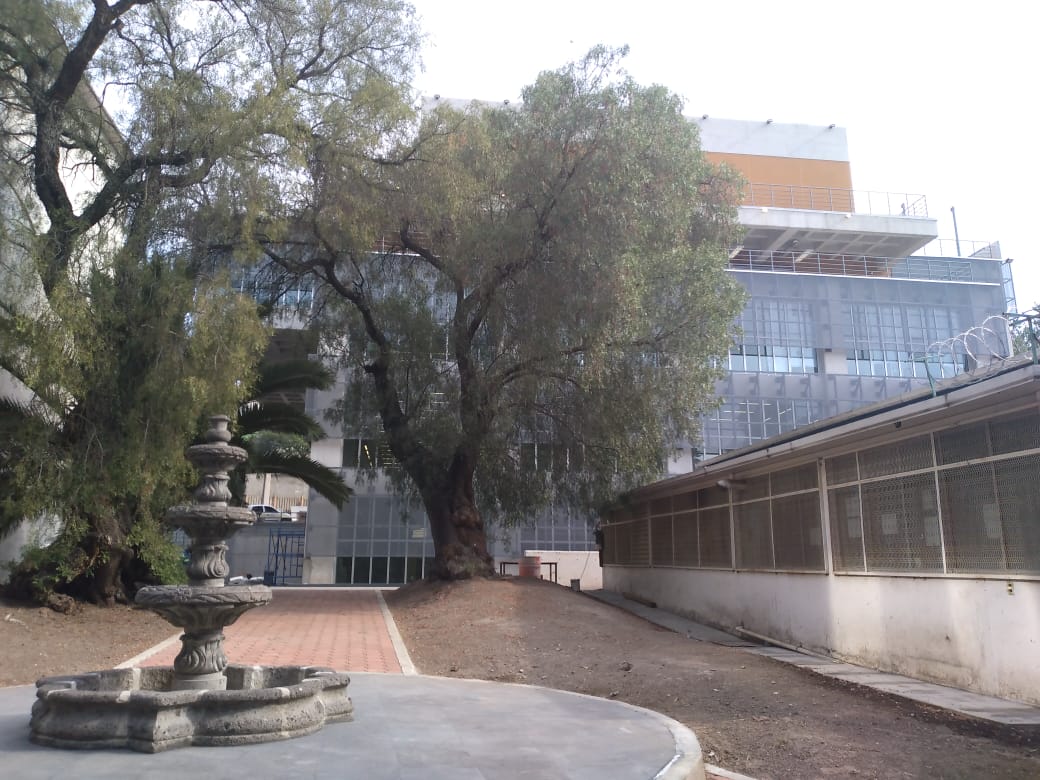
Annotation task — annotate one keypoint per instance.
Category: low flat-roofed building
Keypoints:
(904, 535)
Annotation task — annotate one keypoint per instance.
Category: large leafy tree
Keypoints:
(550, 272)
(117, 333)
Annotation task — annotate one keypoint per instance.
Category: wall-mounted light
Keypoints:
(704, 116)
(830, 126)
(731, 484)
(769, 121)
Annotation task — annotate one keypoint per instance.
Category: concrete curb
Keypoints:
(405, 660)
(688, 761)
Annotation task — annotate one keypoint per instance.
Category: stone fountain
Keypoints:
(201, 699)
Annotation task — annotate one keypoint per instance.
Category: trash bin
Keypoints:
(268, 578)
(576, 586)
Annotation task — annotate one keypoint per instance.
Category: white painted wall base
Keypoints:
(968, 633)
(319, 570)
(575, 565)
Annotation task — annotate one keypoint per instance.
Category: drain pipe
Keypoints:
(770, 641)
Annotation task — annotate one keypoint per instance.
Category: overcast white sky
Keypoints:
(938, 98)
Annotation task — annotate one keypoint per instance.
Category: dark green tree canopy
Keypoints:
(549, 272)
(117, 332)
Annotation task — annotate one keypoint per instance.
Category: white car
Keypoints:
(265, 513)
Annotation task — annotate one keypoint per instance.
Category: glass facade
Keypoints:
(382, 539)
(809, 342)
(901, 340)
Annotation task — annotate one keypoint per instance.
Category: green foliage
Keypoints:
(277, 435)
(549, 272)
(119, 333)
(1025, 333)
(163, 559)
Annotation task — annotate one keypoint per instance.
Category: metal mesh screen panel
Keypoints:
(613, 536)
(639, 510)
(959, 444)
(901, 524)
(1021, 432)
(846, 528)
(714, 537)
(687, 550)
(754, 538)
(713, 496)
(842, 469)
(793, 480)
(909, 455)
(972, 528)
(639, 543)
(661, 541)
(684, 501)
(661, 506)
(756, 487)
(1018, 492)
(797, 532)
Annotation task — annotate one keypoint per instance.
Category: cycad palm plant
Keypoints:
(277, 435)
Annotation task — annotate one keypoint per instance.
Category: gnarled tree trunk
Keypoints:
(459, 537)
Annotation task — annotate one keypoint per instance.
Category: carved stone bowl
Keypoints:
(216, 520)
(135, 708)
(198, 607)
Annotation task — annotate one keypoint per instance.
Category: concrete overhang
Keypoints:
(835, 232)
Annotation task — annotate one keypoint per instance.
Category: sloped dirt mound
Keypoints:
(37, 641)
(751, 714)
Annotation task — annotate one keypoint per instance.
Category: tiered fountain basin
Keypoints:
(200, 700)
(136, 708)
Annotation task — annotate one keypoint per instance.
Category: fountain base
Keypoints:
(140, 710)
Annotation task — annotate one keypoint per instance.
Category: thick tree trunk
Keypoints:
(459, 537)
(94, 568)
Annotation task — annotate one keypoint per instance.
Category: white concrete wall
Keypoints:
(572, 565)
(777, 139)
(319, 570)
(39, 532)
(968, 633)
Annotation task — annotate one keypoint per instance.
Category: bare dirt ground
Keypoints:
(751, 714)
(37, 641)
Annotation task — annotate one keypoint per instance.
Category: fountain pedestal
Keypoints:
(201, 700)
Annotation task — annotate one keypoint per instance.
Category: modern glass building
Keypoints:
(852, 300)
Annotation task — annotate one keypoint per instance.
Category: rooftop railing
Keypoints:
(792, 196)
(960, 247)
(914, 267)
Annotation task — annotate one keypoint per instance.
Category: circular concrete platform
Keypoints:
(406, 728)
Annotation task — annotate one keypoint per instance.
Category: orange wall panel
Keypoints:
(791, 182)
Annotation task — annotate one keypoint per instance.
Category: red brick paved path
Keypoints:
(340, 628)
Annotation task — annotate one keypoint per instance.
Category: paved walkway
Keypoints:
(342, 628)
(406, 726)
